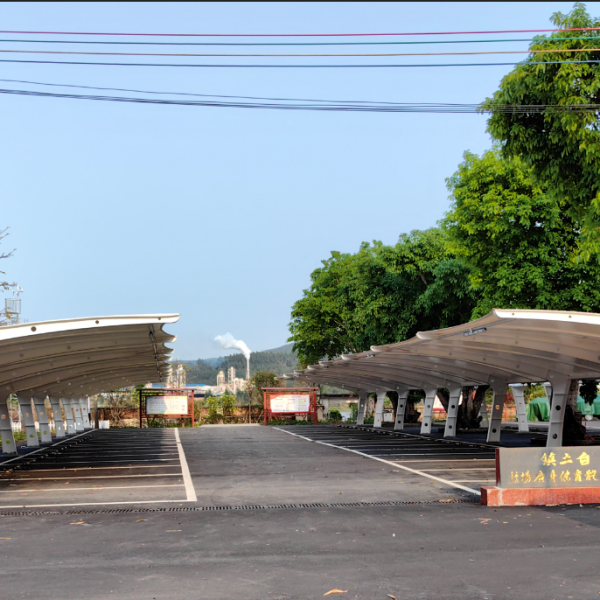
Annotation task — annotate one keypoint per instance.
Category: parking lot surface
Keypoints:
(284, 517)
(101, 467)
(461, 465)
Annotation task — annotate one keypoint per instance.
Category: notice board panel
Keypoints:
(167, 405)
(290, 403)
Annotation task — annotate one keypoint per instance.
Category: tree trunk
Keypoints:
(393, 396)
(573, 430)
(411, 414)
(444, 395)
(468, 411)
(369, 407)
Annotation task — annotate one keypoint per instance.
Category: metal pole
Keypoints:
(378, 420)
(8, 437)
(500, 388)
(401, 410)
(518, 393)
(27, 418)
(362, 405)
(451, 417)
(427, 418)
(71, 429)
(40, 407)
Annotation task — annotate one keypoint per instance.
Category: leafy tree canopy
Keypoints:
(563, 148)
(517, 239)
(381, 294)
(261, 379)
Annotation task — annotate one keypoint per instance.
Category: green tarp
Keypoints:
(539, 410)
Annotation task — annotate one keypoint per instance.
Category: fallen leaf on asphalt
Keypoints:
(139, 520)
(78, 523)
(5, 538)
(392, 597)
(336, 591)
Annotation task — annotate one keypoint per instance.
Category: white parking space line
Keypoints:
(92, 503)
(43, 448)
(103, 487)
(102, 468)
(463, 469)
(85, 462)
(470, 460)
(472, 480)
(387, 462)
(90, 477)
(431, 453)
(187, 478)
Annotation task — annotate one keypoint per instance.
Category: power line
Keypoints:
(315, 66)
(298, 34)
(355, 107)
(71, 53)
(90, 87)
(386, 43)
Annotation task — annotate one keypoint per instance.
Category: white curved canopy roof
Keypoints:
(515, 346)
(80, 357)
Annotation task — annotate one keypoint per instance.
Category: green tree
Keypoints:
(519, 243)
(381, 294)
(261, 379)
(5, 317)
(561, 146)
(228, 403)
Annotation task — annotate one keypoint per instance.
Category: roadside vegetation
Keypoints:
(522, 229)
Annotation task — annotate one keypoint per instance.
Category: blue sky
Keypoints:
(222, 214)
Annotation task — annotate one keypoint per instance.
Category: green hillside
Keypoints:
(279, 360)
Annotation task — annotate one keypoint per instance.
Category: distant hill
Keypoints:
(278, 360)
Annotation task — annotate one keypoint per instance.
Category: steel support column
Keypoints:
(560, 391)
(499, 388)
(518, 393)
(8, 437)
(325, 405)
(27, 418)
(71, 429)
(59, 424)
(77, 415)
(483, 413)
(427, 418)
(401, 410)
(362, 407)
(451, 415)
(381, 395)
(83, 403)
(39, 401)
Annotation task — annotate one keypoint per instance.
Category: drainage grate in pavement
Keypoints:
(114, 511)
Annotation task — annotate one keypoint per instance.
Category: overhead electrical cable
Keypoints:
(386, 43)
(291, 66)
(90, 87)
(270, 99)
(356, 107)
(487, 52)
(11, 32)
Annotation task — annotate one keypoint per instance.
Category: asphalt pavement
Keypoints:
(281, 516)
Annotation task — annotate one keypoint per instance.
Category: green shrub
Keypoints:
(335, 415)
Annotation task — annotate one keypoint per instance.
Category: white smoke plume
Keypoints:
(228, 341)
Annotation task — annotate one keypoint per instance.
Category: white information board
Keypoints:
(167, 405)
(290, 403)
